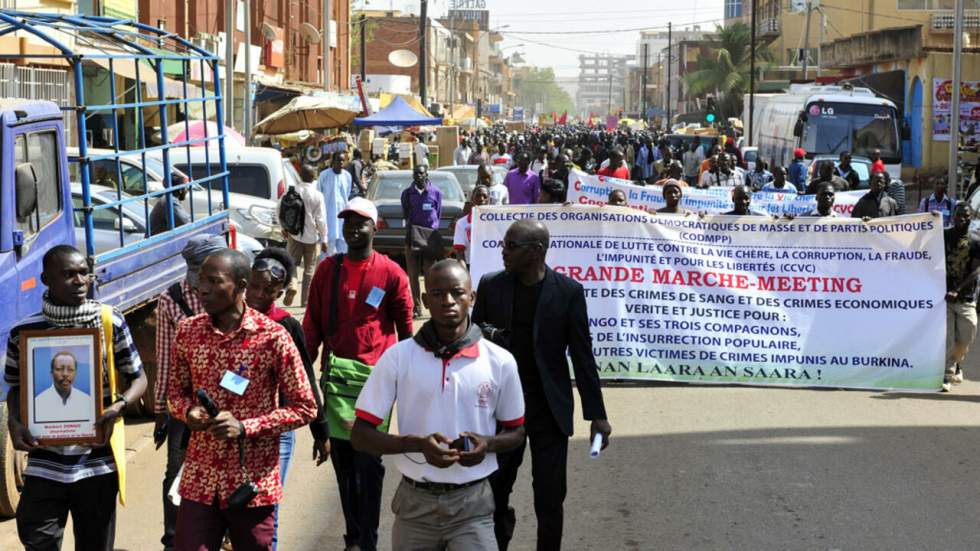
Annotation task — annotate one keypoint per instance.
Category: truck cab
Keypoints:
(35, 203)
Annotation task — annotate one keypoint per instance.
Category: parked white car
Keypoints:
(257, 171)
(252, 216)
(106, 222)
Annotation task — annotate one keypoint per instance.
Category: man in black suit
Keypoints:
(538, 315)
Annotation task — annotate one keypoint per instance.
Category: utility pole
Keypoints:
(752, 76)
(452, 64)
(325, 43)
(247, 95)
(954, 120)
(230, 63)
(806, 38)
(670, 56)
(643, 81)
(423, 53)
(363, 47)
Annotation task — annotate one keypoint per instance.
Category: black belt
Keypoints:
(440, 487)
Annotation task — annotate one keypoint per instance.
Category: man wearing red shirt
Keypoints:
(244, 361)
(373, 311)
(616, 168)
(877, 165)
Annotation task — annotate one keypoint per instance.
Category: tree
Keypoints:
(539, 86)
(725, 71)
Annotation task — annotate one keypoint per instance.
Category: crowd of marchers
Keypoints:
(474, 384)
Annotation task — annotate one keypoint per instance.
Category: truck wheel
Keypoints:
(12, 463)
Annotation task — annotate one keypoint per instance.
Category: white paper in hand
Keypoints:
(596, 446)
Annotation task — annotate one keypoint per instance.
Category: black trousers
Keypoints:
(549, 462)
(176, 431)
(359, 477)
(45, 504)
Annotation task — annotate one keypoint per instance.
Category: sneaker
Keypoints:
(958, 376)
(947, 386)
(290, 296)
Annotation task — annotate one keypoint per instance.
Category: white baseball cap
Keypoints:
(361, 206)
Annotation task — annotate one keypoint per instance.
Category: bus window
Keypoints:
(859, 128)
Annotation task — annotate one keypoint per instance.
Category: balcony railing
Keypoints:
(943, 21)
(768, 27)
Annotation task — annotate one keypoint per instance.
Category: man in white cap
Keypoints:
(359, 306)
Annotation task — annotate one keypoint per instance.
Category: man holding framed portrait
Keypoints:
(61, 367)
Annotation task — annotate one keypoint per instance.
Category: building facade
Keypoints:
(899, 48)
(602, 83)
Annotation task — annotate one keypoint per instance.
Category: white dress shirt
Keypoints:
(49, 406)
(314, 221)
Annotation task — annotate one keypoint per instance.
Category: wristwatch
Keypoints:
(120, 398)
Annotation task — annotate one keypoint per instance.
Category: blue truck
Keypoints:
(37, 207)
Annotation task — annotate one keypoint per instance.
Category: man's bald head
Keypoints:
(530, 230)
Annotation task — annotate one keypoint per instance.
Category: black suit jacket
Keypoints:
(561, 328)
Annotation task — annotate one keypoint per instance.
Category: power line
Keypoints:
(876, 14)
(566, 48)
(579, 15)
(657, 10)
(609, 31)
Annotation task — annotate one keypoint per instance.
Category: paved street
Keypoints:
(701, 468)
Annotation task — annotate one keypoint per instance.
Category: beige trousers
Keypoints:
(961, 329)
(460, 520)
(305, 254)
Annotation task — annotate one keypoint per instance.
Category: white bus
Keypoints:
(827, 120)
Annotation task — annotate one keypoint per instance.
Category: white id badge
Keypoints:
(234, 383)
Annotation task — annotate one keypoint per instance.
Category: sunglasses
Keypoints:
(511, 245)
(271, 265)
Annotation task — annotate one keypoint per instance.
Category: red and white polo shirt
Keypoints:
(469, 393)
(462, 235)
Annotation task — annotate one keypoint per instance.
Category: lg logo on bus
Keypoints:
(817, 111)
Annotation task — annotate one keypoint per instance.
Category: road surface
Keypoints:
(699, 467)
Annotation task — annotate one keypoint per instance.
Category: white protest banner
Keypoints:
(588, 189)
(831, 302)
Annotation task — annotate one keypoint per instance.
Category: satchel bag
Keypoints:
(341, 384)
(426, 241)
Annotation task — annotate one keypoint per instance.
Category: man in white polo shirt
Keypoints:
(453, 390)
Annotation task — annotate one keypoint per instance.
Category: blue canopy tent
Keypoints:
(398, 113)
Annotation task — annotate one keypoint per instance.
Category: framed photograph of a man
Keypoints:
(61, 385)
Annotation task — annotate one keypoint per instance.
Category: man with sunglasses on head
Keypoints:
(360, 306)
(272, 272)
(540, 316)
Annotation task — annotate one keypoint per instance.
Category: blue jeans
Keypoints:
(287, 441)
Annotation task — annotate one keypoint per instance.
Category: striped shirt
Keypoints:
(169, 314)
(69, 464)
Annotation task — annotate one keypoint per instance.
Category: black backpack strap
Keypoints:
(338, 261)
(177, 293)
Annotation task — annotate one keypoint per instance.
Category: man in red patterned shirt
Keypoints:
(243, 360)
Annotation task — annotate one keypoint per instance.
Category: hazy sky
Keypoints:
(525, 17)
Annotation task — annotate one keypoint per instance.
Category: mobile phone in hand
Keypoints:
(463, 444)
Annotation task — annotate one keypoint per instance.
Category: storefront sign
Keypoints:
(942, 98)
